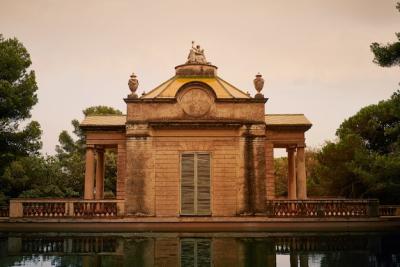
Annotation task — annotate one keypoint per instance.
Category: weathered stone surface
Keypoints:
(194, 112)
(139, 193)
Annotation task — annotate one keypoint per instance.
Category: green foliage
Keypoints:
(377, 126)
(101, 110)
(17, 97)
(23, 173)
(387, 55)
(281, 176)
(61, 175)
(365, 161)
(36, 177)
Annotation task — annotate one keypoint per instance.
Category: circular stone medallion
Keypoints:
(196, 102)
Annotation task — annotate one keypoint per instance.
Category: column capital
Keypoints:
(302, 145)
(99, 149)
(89, 146)
(290, 148)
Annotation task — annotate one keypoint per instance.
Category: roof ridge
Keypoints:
(166, 87)
(284, 114)
(234, 87)
(104, 115)
(226, 90)
(151, 91)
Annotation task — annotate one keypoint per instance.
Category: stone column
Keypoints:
(294, 262)
(89, 173)
(304, 260)
(292, 194)
(100, 174)
(301, 174)
(140, 172)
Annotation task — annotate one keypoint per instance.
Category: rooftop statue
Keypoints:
(196, 55)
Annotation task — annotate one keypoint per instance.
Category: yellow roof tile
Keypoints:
(221, 88)
(104, 120)
(286, 119)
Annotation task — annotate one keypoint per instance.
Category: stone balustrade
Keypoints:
(65, 245)
(4, 211)
(323, 208)
(311, 208)
(389, 210)
(56, 208)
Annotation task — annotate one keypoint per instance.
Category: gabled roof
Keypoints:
(222, 88)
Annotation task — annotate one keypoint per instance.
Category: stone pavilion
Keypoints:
(195, 145)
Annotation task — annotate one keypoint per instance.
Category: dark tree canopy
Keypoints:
(387, 55)
(17, 97)
(101, 110)
(365, 161)
(61, 175)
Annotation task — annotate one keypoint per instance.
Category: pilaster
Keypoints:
(140, 194)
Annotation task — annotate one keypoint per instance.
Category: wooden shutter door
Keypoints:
(188, 253)
(203, 184)
(195, 252)
(195, 184)
(187, 184)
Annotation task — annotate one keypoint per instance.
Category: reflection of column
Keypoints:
(301, 174)
(89, 173)
(303, 260)
(293, 259)
(291, 174)
(100, 174)
(86, 261)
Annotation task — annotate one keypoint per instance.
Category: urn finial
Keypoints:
(133, 84)
(259, 84)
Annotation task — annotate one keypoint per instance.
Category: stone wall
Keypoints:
(143, 111)
(224, 169)
(139, 184)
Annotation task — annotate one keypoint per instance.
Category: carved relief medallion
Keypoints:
(196, 102)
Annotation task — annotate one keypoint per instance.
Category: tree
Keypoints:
(387, 55)
(365, 161)
(17, 97)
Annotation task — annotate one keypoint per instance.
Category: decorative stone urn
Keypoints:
(133, 84)
(259, 84)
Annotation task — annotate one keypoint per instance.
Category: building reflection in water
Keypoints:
(206, 250)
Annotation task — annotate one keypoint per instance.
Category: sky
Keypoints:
(313, 54)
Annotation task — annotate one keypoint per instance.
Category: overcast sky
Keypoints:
(313, 54)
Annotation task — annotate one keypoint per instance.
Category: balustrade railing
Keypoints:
(4, 211)
(95, 208)
(389, 210)
(44, 209)
(323, 208)
(57, 208)
(64, 245)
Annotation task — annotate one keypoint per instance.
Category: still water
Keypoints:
(188, 249)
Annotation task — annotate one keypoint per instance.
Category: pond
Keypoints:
(189, 249)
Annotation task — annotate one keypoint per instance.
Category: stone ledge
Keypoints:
(201, 225)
